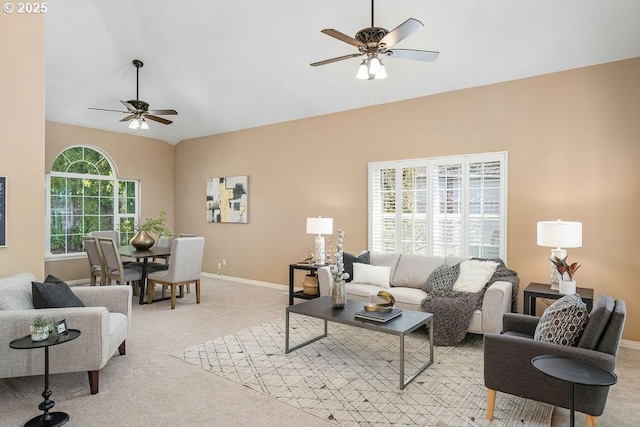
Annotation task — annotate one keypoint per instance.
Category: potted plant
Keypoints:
(143, 240)
(40, 329)
(566, 270)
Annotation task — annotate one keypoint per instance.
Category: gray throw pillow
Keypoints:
(54, 295)
(441, 280)
(563, 321)
(349, 259)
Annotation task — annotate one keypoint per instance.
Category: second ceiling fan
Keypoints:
(374, 42)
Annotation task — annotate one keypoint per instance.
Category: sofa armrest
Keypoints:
(325, 281)
(91, 321)
(117, 299)
(521, 323)
(496, 302)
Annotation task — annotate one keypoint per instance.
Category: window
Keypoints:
(439, 206)
(84, 195)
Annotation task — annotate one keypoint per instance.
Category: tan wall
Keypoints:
(573, 140)
(146, 159)
(22, 140)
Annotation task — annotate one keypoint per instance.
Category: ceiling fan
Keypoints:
(137, 110)
(374, 42)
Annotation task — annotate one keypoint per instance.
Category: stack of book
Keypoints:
(378, 316)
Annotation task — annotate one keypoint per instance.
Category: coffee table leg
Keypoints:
(288, 349)
(404, 383)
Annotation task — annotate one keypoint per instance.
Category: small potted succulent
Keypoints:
(566, 270)
(40, 329)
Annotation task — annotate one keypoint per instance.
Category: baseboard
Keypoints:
(248, 281)
(630, 344)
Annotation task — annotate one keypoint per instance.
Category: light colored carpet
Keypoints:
(352, 376)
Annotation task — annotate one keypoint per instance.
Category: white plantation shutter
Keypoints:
(441, 206)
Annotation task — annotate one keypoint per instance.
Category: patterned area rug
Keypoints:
(351, 377)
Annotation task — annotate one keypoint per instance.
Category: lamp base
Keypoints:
(319, 258)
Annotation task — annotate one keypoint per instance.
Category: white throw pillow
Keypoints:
(377, 275)
(474, 274)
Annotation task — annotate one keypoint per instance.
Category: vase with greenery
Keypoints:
(143, 239)
(336, 266)
(40, 328)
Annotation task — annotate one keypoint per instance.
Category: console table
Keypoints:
(543, 290)
(300, 294)
(48, 419)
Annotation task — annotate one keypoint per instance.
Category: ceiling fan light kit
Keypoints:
(137, 110)
(374, 42)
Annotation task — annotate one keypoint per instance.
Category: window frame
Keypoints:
(379, 243)
(115, 197)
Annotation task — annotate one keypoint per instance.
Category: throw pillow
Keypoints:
(441, 280)
(349, 259)
(376, 275)
(474, 275)
(53, 279)
(15, 292)
(54, 295)
(563, 321)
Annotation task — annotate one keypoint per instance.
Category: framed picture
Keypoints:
(3, 211)
(61, 327)
(227, 199)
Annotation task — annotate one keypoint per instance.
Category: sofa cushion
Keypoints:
(563, 321)
(413, 270)
(54, 295)
(349, 259)
(474, 275)
(598, 321)
(389, 259)
(377, 275)
(15, 292)
(441, 280)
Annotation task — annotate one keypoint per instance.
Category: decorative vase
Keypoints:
(40, 333)
(338, 294)
(142, 240)
(567, 287)
(310, 284)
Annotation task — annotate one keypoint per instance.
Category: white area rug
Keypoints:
(351, 377)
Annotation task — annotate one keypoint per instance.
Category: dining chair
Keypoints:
(115, 270)
(186, 235)
(96, 260)
(112, 234)
(185, 267)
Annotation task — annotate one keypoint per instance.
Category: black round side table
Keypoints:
(574, 371)
(48, 419)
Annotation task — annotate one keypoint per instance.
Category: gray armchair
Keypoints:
(508, 368)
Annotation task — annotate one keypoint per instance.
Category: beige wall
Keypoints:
(573, 140)
(148, 160)
(22, 140)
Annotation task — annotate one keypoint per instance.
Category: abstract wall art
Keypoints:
(227, 199)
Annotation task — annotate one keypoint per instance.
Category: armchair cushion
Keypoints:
(54, 295)
(563, 321)
(598, 320)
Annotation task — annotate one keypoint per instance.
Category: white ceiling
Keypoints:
(227, 65)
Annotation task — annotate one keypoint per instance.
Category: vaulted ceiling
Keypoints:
(227, 65)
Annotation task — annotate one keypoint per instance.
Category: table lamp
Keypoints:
(319, 226)
(559, 234)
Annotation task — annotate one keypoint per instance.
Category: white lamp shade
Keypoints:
(560, 234)
(319, 226)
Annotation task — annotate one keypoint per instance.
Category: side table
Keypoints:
(543, 290)
(48, 419)
(574, 371)
(300, 294)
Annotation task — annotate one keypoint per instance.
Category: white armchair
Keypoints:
(104, 323)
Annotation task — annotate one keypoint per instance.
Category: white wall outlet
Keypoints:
(224, 261)
(219, 266)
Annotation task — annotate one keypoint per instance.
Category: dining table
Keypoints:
(130, 251)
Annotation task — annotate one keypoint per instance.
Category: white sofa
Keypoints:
(408, 273)
(104, 323)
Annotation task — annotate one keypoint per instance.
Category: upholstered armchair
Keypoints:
(508, 368)
(104, 323)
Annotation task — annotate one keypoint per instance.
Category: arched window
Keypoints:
(84, 194)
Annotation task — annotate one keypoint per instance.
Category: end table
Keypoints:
(574, 371)
(543, 290)
(48, 419)
(312, 268)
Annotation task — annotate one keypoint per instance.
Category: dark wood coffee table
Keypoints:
(321, 308)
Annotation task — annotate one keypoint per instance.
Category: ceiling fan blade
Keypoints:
(162, 112)
(342, 37)
(416, 55)
(157, 119)
(129, 117)
(129, 106)
(339, 58)
(106, 109)
(401, 32)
